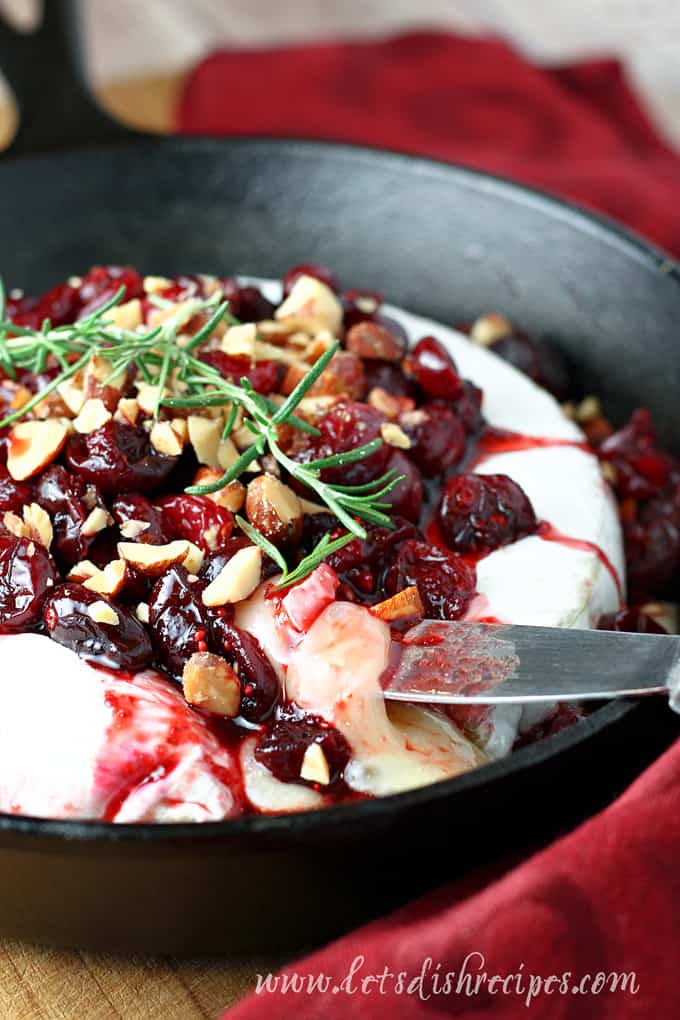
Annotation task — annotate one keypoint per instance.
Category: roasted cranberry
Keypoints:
(345, 427)
(283, 745)
(264, 376)
(437, 438)
(118, 457)
(633, 621)
(197, 519)
(322, 273)
(216, 561)
(22, 311)
(641, 469)
(134, 507)
(406, 498)
(247, 303)
(434, 370)
(360, 306)
(27, 573)
(468, 408)
(540, 360)
(363, 563)
(652, 543)
(71, 618)
(445, 582)
(177, 620)
(60, 305)
(69, 502)
(388, 376)
(479, 513)
(260, 688)
(182, 287)
(101, 283)
(13, 495)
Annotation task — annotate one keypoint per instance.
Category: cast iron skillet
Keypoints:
(441, 240)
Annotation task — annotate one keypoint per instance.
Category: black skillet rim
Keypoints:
(301, 824)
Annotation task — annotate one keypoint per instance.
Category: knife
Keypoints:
(488, 664)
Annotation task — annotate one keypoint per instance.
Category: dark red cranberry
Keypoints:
(388, 376)
(652, 544)
(445, 582)
(101, 283)
(68, 618)
(183, 287)
(247, 303)
(363, 563)
(632, 621)
(264, 376)
(134, 507)
(69, 502)
(437, 438)
(406, 498)
(360, 306)
(27, 573)
(345, 427)
(260, 688)
(434, 370)
(60, 305)
(118, 457)
(283, 745)
(22, 311)
(13, 495)
(641, 470)
(196, 518)
(468, 408)
(479, 513)
(322, 273)
(540, 360)
(177, 620)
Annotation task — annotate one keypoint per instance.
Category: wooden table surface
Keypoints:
(48, 984)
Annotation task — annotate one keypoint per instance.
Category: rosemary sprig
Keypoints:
(162, 357)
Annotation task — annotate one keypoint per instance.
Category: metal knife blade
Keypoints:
(486, 664)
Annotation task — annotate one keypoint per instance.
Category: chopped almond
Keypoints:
(205, 435)
(33, 445)
(102, 612)
(384, 402)
(83, 571)
(400, 606)
(231, 496)
(315, 766)
(109, 581)
(127, 411)
(209, 682)
(35, 525)
(237, 579)
(126, 316)
(154, 284)
(193, 560)
(133, 529)
(373, 340)
(395, 436)
(142, 612)
(240, 340)
(72, 395)
(147, 396)
(489, 328)
(165, 440)
(274, 509)
(588, 410)
(97, 520)
(154, 560)
(94, 413)
(311, 306)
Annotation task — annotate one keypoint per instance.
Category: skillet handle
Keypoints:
(45, 70)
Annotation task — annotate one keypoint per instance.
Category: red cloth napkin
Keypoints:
(578, 131)
(607, 897)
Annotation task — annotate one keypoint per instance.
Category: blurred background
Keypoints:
(138, 53)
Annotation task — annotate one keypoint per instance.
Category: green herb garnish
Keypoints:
(163, 360)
